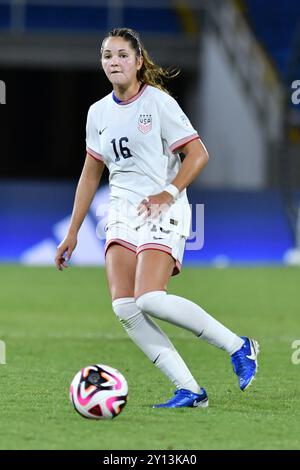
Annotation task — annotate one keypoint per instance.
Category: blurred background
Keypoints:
(239, 61)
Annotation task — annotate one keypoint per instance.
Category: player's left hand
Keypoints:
(153, 206)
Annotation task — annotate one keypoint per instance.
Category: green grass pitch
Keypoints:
(54, 323)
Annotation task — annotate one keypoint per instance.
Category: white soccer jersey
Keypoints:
(137, 139)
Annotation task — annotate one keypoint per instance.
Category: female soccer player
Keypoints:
(137, 131)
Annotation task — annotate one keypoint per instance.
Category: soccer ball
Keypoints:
(99, 392)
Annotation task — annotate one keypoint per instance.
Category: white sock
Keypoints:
(188, 315)
(154, 343)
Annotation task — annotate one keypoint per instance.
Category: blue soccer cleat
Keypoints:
(244, 362)
(185, 398)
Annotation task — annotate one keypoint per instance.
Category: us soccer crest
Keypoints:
(145, 123)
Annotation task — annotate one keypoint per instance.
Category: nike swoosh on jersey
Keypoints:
(101, 131)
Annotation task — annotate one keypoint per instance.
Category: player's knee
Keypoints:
(127, 313)
(124, 308)
(130, 311)
(151, 301)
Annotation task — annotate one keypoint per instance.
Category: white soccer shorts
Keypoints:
(149, 236)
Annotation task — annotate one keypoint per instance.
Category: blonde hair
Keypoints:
(150, 73)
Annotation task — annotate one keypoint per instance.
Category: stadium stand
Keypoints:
(80, 16)
(275, 24)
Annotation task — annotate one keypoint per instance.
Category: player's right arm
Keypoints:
(85, 192)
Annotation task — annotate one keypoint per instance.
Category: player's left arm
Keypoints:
(196, 157)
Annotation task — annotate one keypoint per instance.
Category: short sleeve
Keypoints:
(176, 128)
(92, 139)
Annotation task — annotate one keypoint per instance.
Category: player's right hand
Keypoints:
(64, 251)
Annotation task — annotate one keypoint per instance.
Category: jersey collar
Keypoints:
(133, 98)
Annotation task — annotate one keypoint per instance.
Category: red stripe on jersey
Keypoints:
(149, 246)
(119, 241)
(179, 143)
(164, 249)
(135, 97)
(94, 154)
